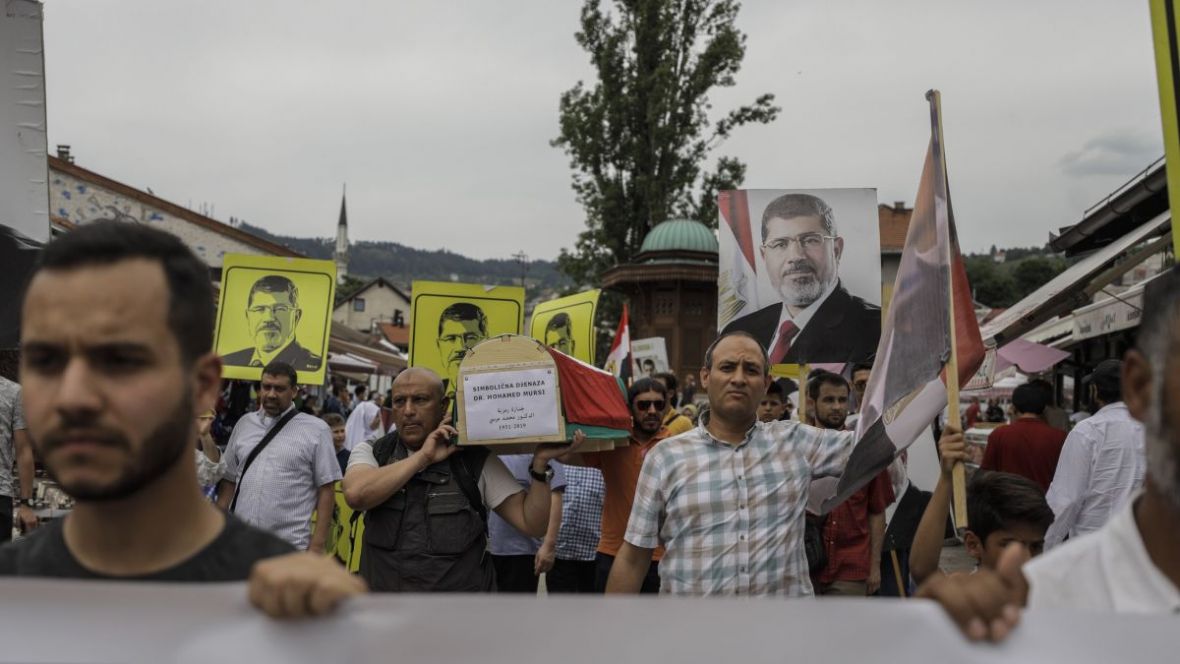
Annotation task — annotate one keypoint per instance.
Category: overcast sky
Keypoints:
(438, 115)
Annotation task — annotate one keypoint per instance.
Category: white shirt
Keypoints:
(1107, 570)
(1101, 466)
(804, 316)
(496, 483)
(357, 429)
(280, 489)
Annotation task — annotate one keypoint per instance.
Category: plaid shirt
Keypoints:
(731, 516)
(581, 514)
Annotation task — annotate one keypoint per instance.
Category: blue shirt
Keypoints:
(503, 539)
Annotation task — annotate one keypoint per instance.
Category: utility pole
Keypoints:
(523, 259)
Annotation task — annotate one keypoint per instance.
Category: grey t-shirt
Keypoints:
(12, 419)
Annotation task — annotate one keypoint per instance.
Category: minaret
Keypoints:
(341, 254)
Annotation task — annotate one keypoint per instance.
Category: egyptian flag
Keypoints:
(736, 285)
(907, 389)
(618, 360)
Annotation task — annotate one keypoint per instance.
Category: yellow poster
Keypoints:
(449, 319)
(1165, 28)
(567, 324)
(274, 308)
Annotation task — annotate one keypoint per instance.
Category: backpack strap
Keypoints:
(466, 466)
(270, 435)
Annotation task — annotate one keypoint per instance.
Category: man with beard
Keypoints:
(559, 333)
(427, 498)
(460, 328)
(116, 360)
(854, 531)
(620, 472)
(818, 320)
(275, 480)
(1132, 563)
(272, 315)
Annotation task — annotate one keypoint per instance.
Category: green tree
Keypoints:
(639, 137)
(990, 284)
(1033, 272)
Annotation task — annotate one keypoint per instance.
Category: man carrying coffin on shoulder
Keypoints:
(427, 499)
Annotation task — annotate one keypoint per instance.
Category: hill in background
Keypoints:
(402, 265)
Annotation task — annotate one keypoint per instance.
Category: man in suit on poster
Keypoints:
(818, 320)
(273, 314)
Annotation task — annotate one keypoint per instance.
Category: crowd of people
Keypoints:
(715, 493)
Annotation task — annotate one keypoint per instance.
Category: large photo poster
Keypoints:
(801, 272)
(449, 319)
(274, 308)
(567, 324)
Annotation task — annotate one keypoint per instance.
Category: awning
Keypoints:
(1120, 312)
(1075, 286)
(1030, 357)
(386, 363)
(350, 362)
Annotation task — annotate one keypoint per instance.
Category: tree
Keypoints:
(1032, 273)
(638, 139)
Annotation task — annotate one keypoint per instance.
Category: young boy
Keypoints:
(771, 408)
(1002, 508)
(336, 423)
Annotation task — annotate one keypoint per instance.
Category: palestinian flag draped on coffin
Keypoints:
(907, 389)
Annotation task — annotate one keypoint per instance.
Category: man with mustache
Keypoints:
(1132, 563)
(272, 316)
(426, 499)
(277, 487)
(460, 327)
(117, 358)
(818, 320)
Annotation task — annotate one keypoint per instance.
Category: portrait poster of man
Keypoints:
(567, 324)
(449, 319)
(649, 357)
(801, 271)
(275, 308)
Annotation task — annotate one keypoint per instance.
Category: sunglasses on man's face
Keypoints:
(645, 405)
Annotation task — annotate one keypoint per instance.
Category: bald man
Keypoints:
(427, 499)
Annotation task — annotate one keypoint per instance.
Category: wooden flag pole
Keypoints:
(803, 392)
(959, 471)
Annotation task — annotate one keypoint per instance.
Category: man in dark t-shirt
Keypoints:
(228, 557)
(116, 358)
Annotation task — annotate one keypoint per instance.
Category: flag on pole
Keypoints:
(737, 286)
(618, 360)
(907, 389)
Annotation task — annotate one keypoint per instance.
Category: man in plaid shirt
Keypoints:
(727, 498)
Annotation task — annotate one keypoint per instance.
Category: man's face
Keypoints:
(649, 368)
(338, 437)
(800, 273)
(560, 340)
(647, 411)
(737, 381)
(860, 382)
(1030, 537)
(454, 341)
(771, 408)
(272, 318)
(417, 407)
(109, 402)
(1151, 391)
(831, 407)
(276, 394)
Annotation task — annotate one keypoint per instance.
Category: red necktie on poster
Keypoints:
(786, 332)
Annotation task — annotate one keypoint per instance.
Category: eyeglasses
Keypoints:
(469, 339)
(645, 405)
(277, 309)
(807, 241)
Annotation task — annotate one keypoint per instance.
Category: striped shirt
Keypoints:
(279, 492)
(731, 516)
(581, 514)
